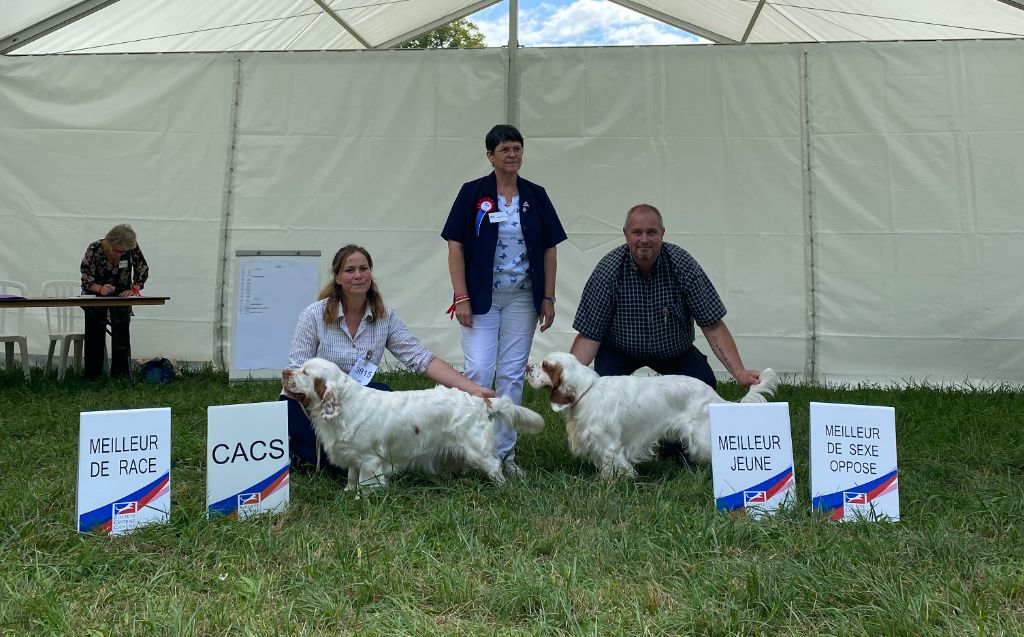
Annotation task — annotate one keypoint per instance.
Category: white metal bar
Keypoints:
(52, 23)
(344, 25)
(512, 92)
(753, 19)
(811, 371)
(221, 303)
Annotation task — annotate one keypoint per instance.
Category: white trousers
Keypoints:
(497, 349)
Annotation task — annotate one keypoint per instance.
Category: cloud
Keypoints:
(578, 23)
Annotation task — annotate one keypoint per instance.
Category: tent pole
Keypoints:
(220, 304)
(51, 23)
(811, 370)
(753, 19)
(331, 13)
(512, 92)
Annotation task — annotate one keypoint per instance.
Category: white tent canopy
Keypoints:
(133, 26)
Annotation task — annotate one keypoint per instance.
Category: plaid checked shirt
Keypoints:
(314, 338)
(647, 317)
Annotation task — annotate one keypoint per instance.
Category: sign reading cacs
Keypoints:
(247, 459)
(255, 450)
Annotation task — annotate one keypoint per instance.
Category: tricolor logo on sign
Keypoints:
(754, 497)
(249, 504)
(123, 517)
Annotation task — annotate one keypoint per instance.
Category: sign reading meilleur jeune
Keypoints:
(853, 462)
(247, 459)
(124, 469)
(751, 457)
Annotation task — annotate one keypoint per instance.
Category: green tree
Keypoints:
(461, 34)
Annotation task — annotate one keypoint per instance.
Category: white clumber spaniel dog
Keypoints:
(375, 433)
(616, 421)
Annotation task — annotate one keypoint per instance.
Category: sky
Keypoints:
(576, 23)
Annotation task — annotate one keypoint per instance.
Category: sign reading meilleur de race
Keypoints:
(247, 459)
(751, 457)
(853, 462)
(124, 469)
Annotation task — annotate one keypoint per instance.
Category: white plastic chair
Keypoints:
(60, 321)
(12, 327)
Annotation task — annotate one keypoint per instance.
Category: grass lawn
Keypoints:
(559, 554)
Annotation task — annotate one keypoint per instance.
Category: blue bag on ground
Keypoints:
(157, 371)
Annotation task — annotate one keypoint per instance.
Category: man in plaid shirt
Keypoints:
(639, 306)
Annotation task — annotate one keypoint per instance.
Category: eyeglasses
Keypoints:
(510, 150)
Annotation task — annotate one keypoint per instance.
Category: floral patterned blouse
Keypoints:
(131, 269)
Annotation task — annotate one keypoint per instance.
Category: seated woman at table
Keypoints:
(112, 266)
(351, 326)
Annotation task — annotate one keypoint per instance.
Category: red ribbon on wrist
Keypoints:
(462, 298)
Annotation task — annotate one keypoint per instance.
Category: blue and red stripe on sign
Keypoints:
(833, 503)
(101, 519)
(770, 487)
(270, 484)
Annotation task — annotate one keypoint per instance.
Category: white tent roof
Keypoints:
(109, 26)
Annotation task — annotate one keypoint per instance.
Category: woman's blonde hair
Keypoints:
(121, 237)
(332, 291)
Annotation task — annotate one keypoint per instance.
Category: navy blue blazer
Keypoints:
(541, 230)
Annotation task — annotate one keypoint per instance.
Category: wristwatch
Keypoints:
(550, 298)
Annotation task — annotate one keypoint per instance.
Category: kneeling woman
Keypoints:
(351, 326)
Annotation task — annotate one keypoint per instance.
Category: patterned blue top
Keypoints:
(511, 265)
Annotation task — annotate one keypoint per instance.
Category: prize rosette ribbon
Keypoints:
(483, 208)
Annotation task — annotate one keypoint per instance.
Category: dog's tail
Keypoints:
(763, 390)
(521, 419)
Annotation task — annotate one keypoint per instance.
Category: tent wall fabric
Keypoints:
(857, 205)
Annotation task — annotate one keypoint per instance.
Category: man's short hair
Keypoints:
(643, 206)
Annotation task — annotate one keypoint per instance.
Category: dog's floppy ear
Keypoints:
(330, 404)
(561, 395)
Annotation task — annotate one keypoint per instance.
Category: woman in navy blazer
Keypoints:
(502, 231)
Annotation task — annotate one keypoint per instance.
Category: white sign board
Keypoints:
(751, 457)
(247, 459)
(853, 462)
(273, 288)
(124, 469)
